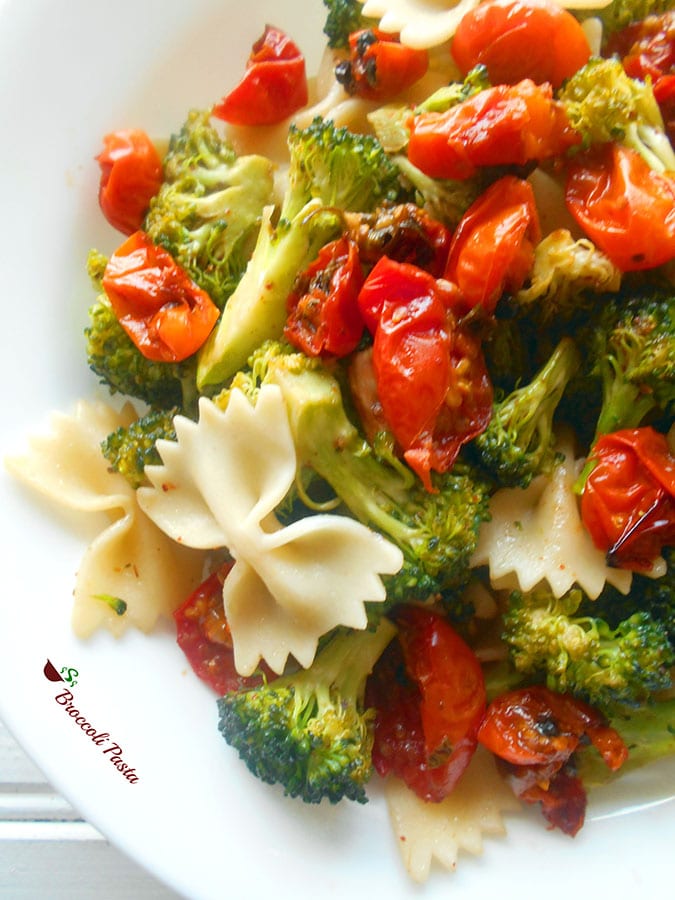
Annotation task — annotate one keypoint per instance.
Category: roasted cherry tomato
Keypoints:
(492, 249)
(626, 208)
(204, 636)
(518, 39)
(647, 50)
(166, 315)
(429, 696)
(405, 233)
(379, 66)
(131, 175)
(502, 125)
(273, 87)
(323, 313)
(431, 379)
(533, 732)
(628, 501)
(647, 47)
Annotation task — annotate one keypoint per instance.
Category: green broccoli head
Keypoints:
(209, 207)
(655, 596)
(340, 168)
(630, 348)
(605, 104)
(519, 440)
(129, 450)
(437, 532)
(621, 13)
(310, 731)
(344, 17)
(581, 654)
(120, 365)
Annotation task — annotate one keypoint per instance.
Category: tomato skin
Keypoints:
(166, 315)
(432, 383)
(536, 39)
(628, 501)
(131, 175)
(324, 317)
(379, 66)
(626, 208)
(429, 697)
(492, 249)
(274, 84)
(204, 636)
(533, 732)
(501, 125)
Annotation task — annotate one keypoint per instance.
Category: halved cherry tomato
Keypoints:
(204, 636)
(273, 87)
(323, 313)
(379, 66)
(432, 383)
(492, 249)
(429, 695)
(626, 208)
(518, 39)
(628, 501)
(534, 731)
(131, 175)
(166, 315)
(502, 125)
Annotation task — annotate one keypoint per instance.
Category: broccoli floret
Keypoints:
(566, 277)
(582, 654)
(129, 450)
(621, 13)
(343, 18)
(209, 207)
(605, 104)
(475, 81)
(331, 170)
(518, 442)
(121, 366)
(630, 346)
(437, 532)
(309, 730)
(655, 596)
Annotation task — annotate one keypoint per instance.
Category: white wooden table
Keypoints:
(47, 852)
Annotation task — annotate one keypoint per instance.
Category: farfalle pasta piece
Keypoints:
(219, 486)
(439, 831)
(131, 558)
(536, 535)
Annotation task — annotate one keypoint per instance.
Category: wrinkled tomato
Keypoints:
(628, 501)
(131, 175)
(502, 125)
(166, 315)
(323, 313)
(404, 232)
(204, 636)
(379, 66)
(516, 39)
(429, 696)
(533, 732)
(492, 249)
(432, 383)
(625, 207)
(273, 87)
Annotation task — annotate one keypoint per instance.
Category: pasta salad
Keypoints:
(397, 456)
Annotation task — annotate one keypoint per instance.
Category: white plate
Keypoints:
(69, 72)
